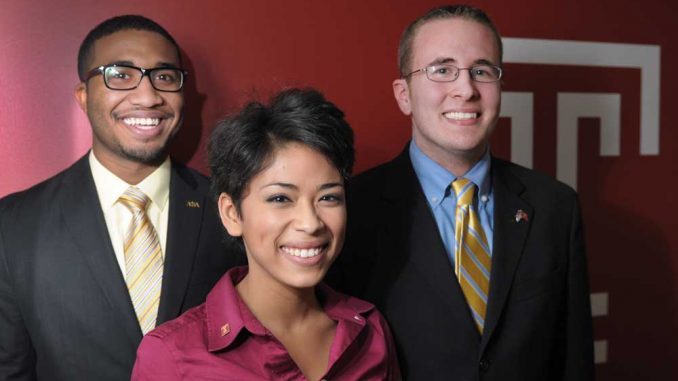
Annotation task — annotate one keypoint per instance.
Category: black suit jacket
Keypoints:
(65, 312)
(538, 323)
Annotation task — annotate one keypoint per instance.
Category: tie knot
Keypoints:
(134, 199)
(464, 189)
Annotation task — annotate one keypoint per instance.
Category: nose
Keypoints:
(145, 94)
(464, 87)
(308, 220)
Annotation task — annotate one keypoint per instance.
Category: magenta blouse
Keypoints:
(222, 340)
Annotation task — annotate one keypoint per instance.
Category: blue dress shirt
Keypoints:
(436, 183)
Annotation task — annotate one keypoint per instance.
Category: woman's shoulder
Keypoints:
(190, 323)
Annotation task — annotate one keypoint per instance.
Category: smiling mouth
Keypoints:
(303, 253)
(455, 115)
(142, 122)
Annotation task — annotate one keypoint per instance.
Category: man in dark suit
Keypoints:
(494, 289)
(74, 301)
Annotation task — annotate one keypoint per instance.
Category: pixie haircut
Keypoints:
(441, 13)
(113, 25)
(243, 145)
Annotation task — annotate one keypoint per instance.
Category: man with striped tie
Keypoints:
(478, 264)
(125, 239)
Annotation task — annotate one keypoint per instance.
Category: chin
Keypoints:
(145, 156)
(306, 281)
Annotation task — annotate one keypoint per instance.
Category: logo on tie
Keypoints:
(472, 259)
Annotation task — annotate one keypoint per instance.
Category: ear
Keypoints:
(401, 92)
(81, 95)
(230, 217)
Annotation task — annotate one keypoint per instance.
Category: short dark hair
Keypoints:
(445, 12)
(113, 25)
(241, 146)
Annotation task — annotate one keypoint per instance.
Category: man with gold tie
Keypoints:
(478, 264)
(125, 239)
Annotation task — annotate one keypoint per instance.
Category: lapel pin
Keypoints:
(521, 216)
(192, 204)
(225, 329)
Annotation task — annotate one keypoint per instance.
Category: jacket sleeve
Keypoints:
(579, 337)
(393, 365)
(17, 356)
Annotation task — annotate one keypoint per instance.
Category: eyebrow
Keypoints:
(167, 64)
(129, 63)
(282, 185)
(159, 64)
(330, 185)
(294, 187)
(450, 60)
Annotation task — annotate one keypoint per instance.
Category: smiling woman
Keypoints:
(291, 218)
(278, 172)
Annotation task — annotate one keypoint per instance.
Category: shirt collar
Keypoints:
(110, 187)
(480, 174)
(435, 180)
(222, 309)
(227, 314)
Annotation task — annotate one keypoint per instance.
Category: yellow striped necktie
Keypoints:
(472, 259)
(143, 259)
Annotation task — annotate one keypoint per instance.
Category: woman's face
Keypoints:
(293, 217)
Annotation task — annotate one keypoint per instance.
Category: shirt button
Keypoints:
(484, 365)
(483, 198)
(358, 318)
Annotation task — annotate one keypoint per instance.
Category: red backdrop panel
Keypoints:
(239, 50)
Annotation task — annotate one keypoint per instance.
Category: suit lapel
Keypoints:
(414, 227)
(84, 220)
(183, 230)
(509, 238)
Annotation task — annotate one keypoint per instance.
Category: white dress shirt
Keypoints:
(110, 187)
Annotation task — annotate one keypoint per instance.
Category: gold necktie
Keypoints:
(472, 260)
(143, 259)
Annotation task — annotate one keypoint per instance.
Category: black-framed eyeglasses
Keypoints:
(127, 77)
(484, 73)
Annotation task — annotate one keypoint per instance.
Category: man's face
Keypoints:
(451, 121)
(131, 125)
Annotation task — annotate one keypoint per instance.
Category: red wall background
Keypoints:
(237, 50)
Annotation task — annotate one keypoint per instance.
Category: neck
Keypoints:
(132, 172)
(457, 162)
(277, 307)
(457, 167)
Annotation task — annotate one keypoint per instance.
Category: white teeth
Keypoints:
(303, 253)
(461, 115)
(143, 122)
